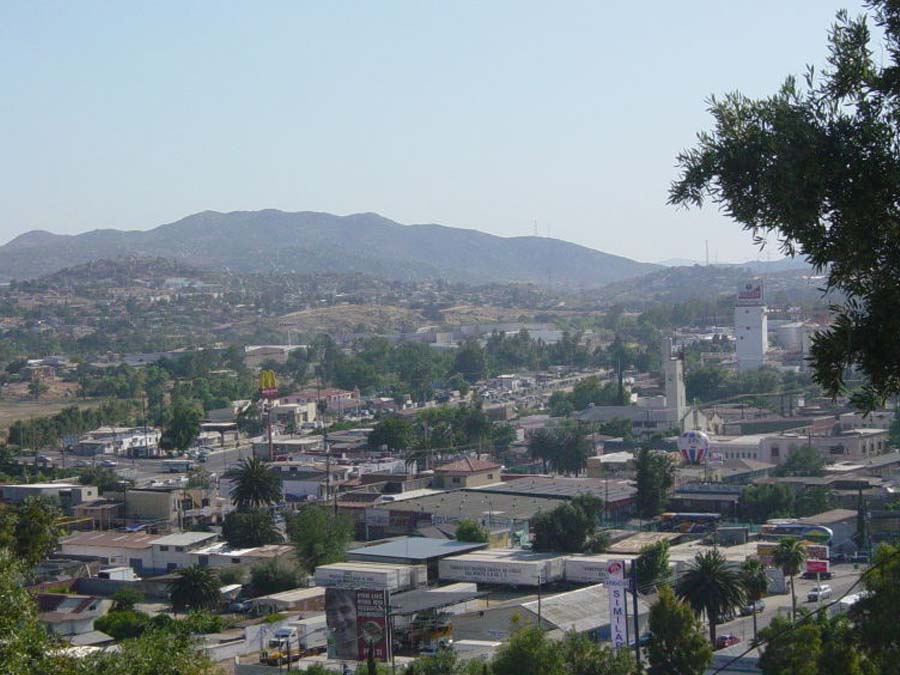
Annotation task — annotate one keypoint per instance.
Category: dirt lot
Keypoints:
(11, 410)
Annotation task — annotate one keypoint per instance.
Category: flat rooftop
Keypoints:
(111, 539)
(477, 504)
(185, 538)
(415, 548)
(564, 488)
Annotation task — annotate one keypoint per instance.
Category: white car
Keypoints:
(821, 592)
(109, 463)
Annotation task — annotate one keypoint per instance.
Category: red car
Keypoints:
(723, 641)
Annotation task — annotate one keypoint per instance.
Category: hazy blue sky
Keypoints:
(491, 115)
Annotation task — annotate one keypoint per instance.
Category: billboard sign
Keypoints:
(693, 446)
(751, 293)
(372, 625)
(340, 617)
(817, 534)
(817, 567)
(268, 387)
(618, 602)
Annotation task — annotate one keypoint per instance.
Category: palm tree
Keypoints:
(712, 587)
(756, 583)
(254, 484)
(789, 556)
(195, 588)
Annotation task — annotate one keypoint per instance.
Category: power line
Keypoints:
(806, 618)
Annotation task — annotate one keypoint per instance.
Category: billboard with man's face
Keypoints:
(340, 617)
(357, 621)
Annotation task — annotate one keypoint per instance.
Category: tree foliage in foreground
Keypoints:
(28, 649)
(677, 644)
(818, 166)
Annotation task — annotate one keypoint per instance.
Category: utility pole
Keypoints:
(540, 581)
(637, 623)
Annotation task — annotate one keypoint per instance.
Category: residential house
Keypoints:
(65, 614)
(465, 473)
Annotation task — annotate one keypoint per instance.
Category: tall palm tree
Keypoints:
(711, 586)
(789, 556)
(254, 484)
(195, 588)
(756, 583)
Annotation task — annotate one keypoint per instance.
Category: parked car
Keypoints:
(82, 463)
(239, 606)
(820, 592)
(753, 608)
(726, 640)
(859, 558)
(109, 463)
(725, 617)
(44, 459)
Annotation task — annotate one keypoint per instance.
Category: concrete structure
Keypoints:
(294, 600)
(414, 551)
(222, 555)
(673, 368)
(175, 550)
(145, 553)
(66, 495)
(116, 548)
(506, 567)
(65, 614)
(128, 441)
(467, 472)
(751, 331)
(371, 575)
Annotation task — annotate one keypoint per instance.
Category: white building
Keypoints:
(751, 336)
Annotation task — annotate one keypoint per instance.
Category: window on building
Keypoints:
(490, 476)
(235, 561)
(457, 480)
(180, 549)
(163, 548)
(775, 451)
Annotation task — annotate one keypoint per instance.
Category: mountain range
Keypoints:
(279, 241)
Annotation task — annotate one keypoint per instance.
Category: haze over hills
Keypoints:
(271, 240)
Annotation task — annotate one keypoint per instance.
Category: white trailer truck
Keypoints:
(295, 640)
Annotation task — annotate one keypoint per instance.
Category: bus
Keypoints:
(784, 527)
(177, 465)
(688, 523)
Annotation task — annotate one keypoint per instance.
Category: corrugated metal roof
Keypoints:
(581, 610)
(415, 548)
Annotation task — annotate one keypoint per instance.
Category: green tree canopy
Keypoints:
(655, 477)
(275, 575)
(802, 461)
(469, 530)
(711, 587)
(393, 432)
(182, 427)
(528, 652)
(677, 644)
(790, 649)
(249, 528)
(254, 484)
(319, 536)
(789, 556)
(817, 165)
(195, 587)
(653, 566)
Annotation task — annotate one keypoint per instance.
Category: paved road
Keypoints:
(843, 578)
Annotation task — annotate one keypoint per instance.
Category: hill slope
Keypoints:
(271, 240)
